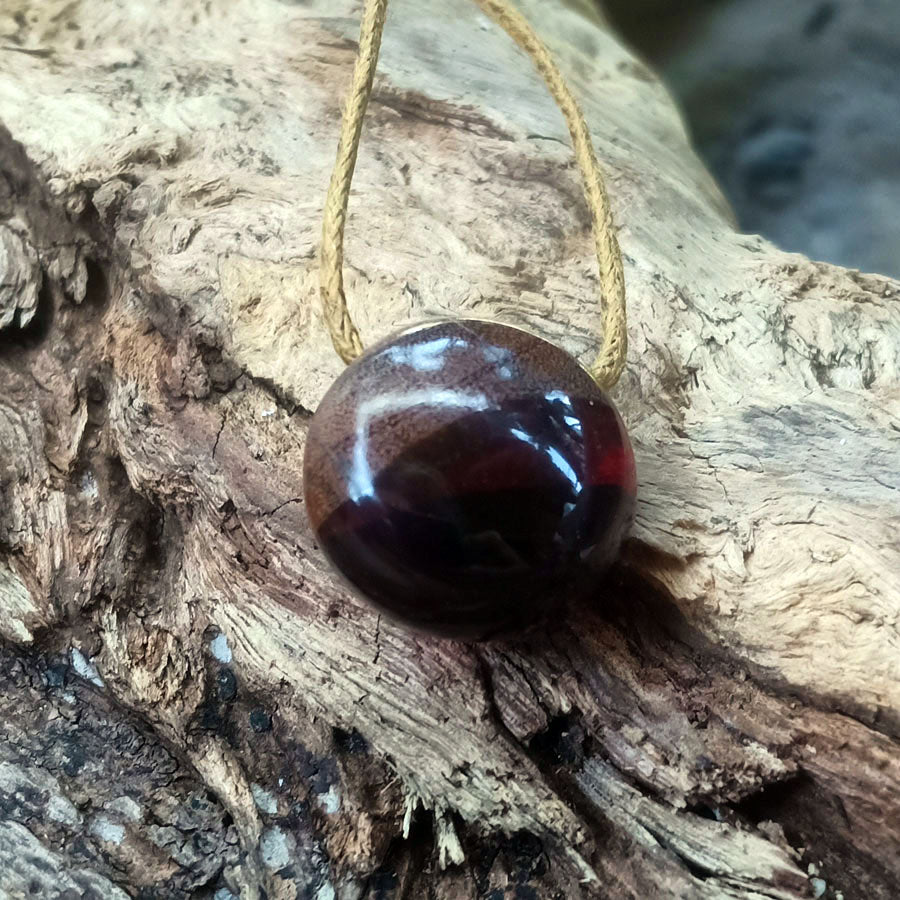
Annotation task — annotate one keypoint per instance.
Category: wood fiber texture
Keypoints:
(191, 703)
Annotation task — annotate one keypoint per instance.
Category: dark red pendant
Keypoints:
(468, 477)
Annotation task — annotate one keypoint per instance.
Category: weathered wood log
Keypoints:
(191, 702)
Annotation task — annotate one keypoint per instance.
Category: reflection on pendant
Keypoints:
(468, 478)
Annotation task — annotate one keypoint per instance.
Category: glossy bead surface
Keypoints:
(468, 477)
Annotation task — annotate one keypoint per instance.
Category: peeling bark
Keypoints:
(193, 706)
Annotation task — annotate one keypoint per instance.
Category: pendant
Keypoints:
(468, 478)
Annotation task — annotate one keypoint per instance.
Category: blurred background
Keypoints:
(795, 106)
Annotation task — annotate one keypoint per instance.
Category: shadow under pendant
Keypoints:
(468, 478)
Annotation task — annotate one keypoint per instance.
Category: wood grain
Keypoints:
(727, 728)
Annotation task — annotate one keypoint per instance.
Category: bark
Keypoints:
(193, 705)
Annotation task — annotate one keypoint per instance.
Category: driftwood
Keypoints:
(191, 704)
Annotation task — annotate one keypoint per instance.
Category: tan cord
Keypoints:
(611, 361)
(344, 335)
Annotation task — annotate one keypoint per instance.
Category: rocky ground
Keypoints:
(796, 109)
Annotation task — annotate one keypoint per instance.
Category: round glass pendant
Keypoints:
(468, 478)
